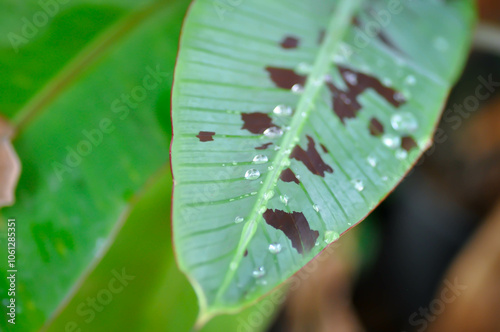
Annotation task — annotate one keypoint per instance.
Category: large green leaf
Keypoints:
(292, 121)
(67, 94)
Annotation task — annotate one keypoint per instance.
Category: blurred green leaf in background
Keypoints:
(86, 86)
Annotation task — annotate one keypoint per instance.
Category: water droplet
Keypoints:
(303, 68)
(399, 97)
(372, 161)
(351, 78)
(391, 141)
(358, 185)
(441, 44)
(262, 282)
(273, 132)
(252, 174)
(345, 99)
(262, 209)
(275, 248)
(259, 272)
(100, 245)
(316, 207)
(268, 195)
(331, 236)
(284, 199)
(401, 154)
(270, 167)
(387, 81)
(223, 165)
(385, 178)
(233, 266)
(235, 163)
(277, 148)
(404, 122)
(260, 159)
(410, 80)
(283, 110)
(253, 193)
(297, 88)
(316, 243)
(285, 162)
(238, 220)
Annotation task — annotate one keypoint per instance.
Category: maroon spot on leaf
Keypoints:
(321, 36)
(311, 158)
(346, 104)
(263, 146)
(385, 40)
(325, 150)
(246, 253)
(285, 78)
(295, 226)
(408, 143)
(366, 32)
(206, 136)
(256, 122)
(288, 175)
(290, 42)
(376, 128)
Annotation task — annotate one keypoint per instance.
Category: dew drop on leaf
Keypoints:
(331, 236)
(273, 132)
(401, 154)
(238, 220)
(316, 207)
(404, 122)
(441, 44)
(283, 110)
(252, 174)
(260, 159)
(391, 141)
(259, 272)
(372, 161)
(275, 248)
(284, 199)
(303, 68)
(358, 185)
(351, 78)
(297, 88)
(410, 80)
(399, 97)
(268, 195)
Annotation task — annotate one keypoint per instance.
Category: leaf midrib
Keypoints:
(82, 61)
(335, 33)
